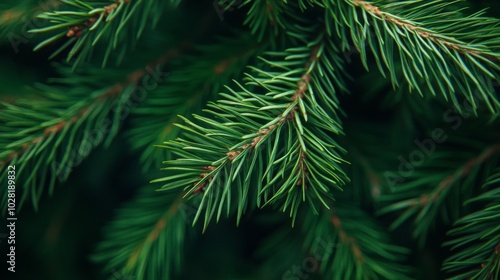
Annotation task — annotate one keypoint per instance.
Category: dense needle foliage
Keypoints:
(264, 139)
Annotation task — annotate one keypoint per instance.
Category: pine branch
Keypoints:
(449, 43)
(267, 17)
(186, 88)
(92, 22)
(15, 18)
(477, 238)
(426, 197)
(362, 249)
(146, 239)
(282, 252)
(48, 138)
(431, 44)
(286, 128)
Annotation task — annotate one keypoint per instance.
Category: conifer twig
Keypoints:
(132, 79)
(450, 43)
(346, 239)
(461, 172)
(155, 231)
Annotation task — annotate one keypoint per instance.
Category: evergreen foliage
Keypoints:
(236, 111)
(479, 239)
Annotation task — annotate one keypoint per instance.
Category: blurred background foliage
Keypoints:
(55, 242)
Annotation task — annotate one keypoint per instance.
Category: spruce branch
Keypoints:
(476, 240)
(266, 17)
(444, 192)
(85, 24)
(15, 16)
(362, 254)
(285, 128)
(427, 42)
(185, 89)
(48, 138)
(147, 237)
(347, 240)
(10, 15)
(449, 43)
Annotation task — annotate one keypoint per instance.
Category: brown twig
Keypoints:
(77, 30)
(302, 87)
(155, 232)
(346, 239)
(462, 48)
(464, 171)
(131, 79)
(461, 172)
